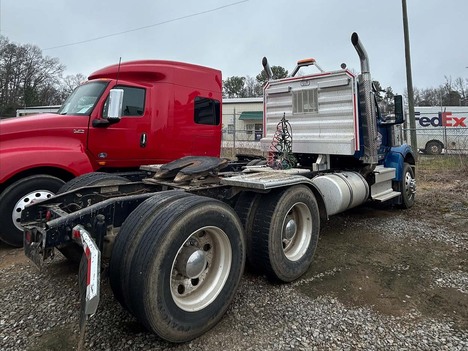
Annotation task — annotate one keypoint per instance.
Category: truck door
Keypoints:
(125, 143)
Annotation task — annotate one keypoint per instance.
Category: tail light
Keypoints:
(76, 235)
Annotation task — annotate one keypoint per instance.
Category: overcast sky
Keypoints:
(234, 35)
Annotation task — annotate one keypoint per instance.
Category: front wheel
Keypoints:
(15, 198)
(433, 147)
(407, 187)
(186, 268)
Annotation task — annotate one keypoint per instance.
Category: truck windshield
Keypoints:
(83, 99)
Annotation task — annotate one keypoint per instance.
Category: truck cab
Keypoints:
(169, 110)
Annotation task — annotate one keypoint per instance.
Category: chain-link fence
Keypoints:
(241, 136)
(241, 141)
(440, 141)
(434, 134)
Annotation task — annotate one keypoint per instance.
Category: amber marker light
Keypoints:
(306, 61)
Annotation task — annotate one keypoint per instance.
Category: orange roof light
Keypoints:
(309, 61)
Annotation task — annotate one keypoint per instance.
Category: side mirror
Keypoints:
(399, 109)
(398, 115)
(115, 105)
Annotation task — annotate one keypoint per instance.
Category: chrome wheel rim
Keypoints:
(28, 199)
(410, 185)
(201, 268)
(296, 231)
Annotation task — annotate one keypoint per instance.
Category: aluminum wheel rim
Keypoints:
(410, 185)
(28, 199)
(295, 244)
(195, 293)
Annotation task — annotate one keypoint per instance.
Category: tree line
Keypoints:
(28, 78)
(451, 93)
(244, 87)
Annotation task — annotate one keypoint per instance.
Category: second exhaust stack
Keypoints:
(367, 106)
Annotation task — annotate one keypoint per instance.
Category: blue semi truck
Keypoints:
(175, 237)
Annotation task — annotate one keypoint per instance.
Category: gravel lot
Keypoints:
(382, 279)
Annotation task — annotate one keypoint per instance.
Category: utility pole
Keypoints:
(409, 80)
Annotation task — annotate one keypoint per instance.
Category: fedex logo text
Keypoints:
(445, 119)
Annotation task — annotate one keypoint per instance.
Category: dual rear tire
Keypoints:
(282, 230)
(177, 263)
(178, 259)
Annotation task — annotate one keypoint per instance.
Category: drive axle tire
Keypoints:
(285, 233)
(129, 237)
(73, 251)
(15, 197)
(246, 208)
(187, 268)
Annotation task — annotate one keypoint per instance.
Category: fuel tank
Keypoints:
(342, 190)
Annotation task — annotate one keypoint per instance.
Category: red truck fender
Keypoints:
(71, 160)
(30, 175)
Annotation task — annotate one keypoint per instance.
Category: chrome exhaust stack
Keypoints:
(361, 52)
(367, 105)
(266, 67)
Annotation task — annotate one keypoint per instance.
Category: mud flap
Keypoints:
(89, 279)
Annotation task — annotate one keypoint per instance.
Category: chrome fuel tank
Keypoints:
(342, 190)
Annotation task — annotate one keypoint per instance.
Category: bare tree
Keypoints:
(70, 82)
(26, 77)
(451, 93)
(461, 86)
(450, 96)
(252, 87)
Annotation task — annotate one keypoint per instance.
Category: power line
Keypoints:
(145, 27)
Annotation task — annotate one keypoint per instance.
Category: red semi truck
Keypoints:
(170, 110)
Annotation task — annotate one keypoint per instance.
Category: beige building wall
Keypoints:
(241, 136)
(232, 110)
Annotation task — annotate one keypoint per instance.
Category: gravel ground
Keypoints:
(262, 317)
(382, 279)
